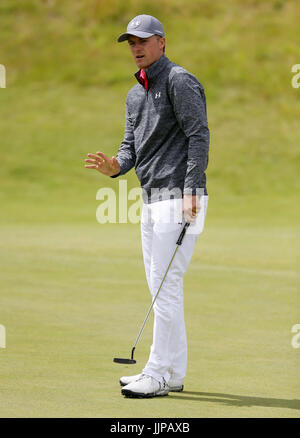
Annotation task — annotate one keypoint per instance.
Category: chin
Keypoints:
(142, 65)
(145, 65)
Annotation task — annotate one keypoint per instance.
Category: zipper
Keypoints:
(147, 91)
(138, 79)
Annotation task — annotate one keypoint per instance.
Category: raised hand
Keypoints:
(103, 164)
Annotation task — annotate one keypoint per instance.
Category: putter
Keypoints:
(132, 360)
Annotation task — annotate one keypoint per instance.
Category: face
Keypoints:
(146, 51)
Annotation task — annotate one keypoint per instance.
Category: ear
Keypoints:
(162, 42)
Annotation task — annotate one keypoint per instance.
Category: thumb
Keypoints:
(114, 161)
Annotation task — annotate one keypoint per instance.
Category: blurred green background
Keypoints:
(69, 284)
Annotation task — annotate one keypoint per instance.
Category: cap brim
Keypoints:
(125, 36)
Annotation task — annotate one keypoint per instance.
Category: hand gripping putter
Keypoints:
(178, 243)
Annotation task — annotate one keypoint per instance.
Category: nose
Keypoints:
(137, 46)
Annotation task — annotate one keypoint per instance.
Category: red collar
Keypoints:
(143, 78)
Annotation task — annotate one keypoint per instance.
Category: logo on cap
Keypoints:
(135, 24)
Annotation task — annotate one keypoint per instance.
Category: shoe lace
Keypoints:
(163, 384)
(142, 377)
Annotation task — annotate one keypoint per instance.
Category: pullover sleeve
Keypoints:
(126, 155)
(189, 105)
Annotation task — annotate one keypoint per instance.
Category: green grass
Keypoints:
(73, 292)
(254, 160)
(73, 298)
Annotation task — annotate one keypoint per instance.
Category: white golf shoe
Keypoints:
(145, 387)
(174, 385)
(125, 380)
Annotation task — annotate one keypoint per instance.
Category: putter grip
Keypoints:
(182, 234)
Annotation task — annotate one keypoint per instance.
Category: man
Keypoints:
(167, 141)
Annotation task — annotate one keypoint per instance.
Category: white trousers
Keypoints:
(160, 229)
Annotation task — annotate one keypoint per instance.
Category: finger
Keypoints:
(192, 216)
(91, 166)
(188, 217)
(115, 162)
(91, 161)
(96, 157)
(103, 156)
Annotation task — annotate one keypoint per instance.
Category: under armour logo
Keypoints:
(134, 24)
(157, 95)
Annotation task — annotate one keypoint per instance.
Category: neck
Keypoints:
(144, 68)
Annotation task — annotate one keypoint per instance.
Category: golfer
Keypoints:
(167, 142)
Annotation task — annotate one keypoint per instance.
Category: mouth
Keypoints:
(139, 56)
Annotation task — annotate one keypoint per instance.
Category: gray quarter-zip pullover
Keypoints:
(166, 133)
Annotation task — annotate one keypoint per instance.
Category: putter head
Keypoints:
(126, 361)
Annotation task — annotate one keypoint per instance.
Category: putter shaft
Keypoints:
(178, 243)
